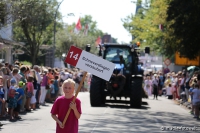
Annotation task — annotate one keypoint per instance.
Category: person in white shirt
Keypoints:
(147, 85)
(64, 76)
(169, 91)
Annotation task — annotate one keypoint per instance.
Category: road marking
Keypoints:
(98, 121)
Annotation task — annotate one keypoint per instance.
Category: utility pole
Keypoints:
(54, 33)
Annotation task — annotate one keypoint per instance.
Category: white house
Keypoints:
(6, 39)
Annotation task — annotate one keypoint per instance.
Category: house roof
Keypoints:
(10, 43)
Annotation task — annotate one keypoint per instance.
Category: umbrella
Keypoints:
(191, 68)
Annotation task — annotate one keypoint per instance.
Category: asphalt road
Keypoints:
(154, 116)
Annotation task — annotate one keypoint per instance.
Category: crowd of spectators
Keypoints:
(24, 88)
(182, 86)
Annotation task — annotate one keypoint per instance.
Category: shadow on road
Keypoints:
(140, 121)
(123, 104)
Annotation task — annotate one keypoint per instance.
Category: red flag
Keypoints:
(78, 26)
(98, 41)
(160, 26)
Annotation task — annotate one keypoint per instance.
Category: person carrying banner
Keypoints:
(60, 109)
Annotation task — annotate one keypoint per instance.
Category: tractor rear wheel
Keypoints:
(136, 93)
(97, 97)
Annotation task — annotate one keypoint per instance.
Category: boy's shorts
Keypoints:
(12, 103)
(17, 109)
(28, 94)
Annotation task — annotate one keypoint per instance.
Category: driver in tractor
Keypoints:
(117, 57)
(118, 80)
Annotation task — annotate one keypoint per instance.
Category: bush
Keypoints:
(26, 63)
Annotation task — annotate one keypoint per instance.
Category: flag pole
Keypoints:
(78, 90)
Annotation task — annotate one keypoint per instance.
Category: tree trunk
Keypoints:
(33, 59)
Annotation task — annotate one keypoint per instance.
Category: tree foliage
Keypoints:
(66, 37)
(185, 25)
(2, 13)
(33, 25)
(144, 25)
(180, 20)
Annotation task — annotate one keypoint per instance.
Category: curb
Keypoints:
(187, 105)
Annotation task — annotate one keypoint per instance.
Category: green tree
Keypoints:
(34, 24)
(184, 27)
(92, 26)
(144, 25)
(66, 39)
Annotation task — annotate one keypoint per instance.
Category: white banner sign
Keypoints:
(90, 63)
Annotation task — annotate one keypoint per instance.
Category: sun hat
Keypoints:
(12, 81)
(21, 83)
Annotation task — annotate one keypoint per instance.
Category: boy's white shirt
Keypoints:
(169, 91)
(53, 90)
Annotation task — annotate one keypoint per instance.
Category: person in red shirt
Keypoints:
(50, 76)
(60, 108)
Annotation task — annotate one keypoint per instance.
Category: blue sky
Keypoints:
(107, 14)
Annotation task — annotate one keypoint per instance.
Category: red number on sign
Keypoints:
(73, 55)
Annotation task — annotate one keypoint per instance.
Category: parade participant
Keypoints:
(59, 109)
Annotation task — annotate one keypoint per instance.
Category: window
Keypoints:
(112, 54)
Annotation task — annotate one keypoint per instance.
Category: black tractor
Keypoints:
(126, 80)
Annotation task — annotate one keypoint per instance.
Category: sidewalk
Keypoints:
(187, 105)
